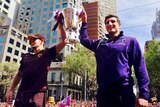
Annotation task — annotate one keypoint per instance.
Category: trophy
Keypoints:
(71, 23)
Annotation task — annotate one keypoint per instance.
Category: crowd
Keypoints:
(76, 104)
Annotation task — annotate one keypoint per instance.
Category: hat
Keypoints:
(51, 100)
(37, 36)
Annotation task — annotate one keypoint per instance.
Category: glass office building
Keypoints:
(34, 15)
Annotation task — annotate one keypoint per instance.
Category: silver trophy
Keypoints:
(71, 23)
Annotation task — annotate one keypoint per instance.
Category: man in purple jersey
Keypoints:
(33, 72)
(115, 56)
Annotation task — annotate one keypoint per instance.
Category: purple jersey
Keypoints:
(114, 61)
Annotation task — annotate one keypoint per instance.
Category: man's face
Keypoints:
(34, 42)
(112, 25)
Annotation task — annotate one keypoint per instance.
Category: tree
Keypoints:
(7, 72)
(82, 60)
(152, 56)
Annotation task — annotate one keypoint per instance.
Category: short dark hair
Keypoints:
(111, 15)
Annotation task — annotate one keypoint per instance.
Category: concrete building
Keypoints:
(95, 26)
(12, 42)
(34, 15)
(61, 85)
(96, 11)
(156, 27)
(10, 8)
(105, 7)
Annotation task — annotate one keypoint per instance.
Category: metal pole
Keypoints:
(85, 84)
(62, 80)
(61, 91)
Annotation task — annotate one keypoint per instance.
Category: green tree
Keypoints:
(7, 72)
(82, 60)
(152, 56)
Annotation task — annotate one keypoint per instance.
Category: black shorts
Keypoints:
(31, 100)
(121, 96)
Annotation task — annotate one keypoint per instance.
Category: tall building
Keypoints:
(13, 43)
(10, 8)
(156, 27)
(96, 11)
(94, 16)
(106, 6)
(34, 15)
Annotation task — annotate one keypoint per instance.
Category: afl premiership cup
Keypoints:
(71, 24)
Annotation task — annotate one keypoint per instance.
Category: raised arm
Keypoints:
(62, 32)
(84, 37)
(141, 74)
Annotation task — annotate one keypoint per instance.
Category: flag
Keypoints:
(54, 15)
(65, 102)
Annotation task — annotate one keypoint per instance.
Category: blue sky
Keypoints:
(137, 17)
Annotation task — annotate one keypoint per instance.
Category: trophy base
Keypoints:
(72, 41)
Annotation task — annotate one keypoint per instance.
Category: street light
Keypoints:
(59, 59)
(62, 81)
(85, 85)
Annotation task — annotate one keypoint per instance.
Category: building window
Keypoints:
(44, 16)
(29, 49)
(19, 36)
(54, 92)
(18, 44)
(57, 6)
(52, 3)
(45, 9)
(54, 40)
(49, 93)
(15, 60)
(53, 78)
(57, 1)
(13, 32)
(25, 39)
(11, 41)
(2, 39)
(8, 1)
(1, 48)
(65, 5)
(69, 92)
(30, 30)
(61, 78)
(9, 50)
(16, 52)
(45, 3)
(43, 23)
(6, 7)
(5, 13)
(49, 28)
(24, 47)
(8, 58)
(51, 8)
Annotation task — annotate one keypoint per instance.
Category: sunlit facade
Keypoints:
(156, 27)
(13, 43)
(10, 9)
(103, 7)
